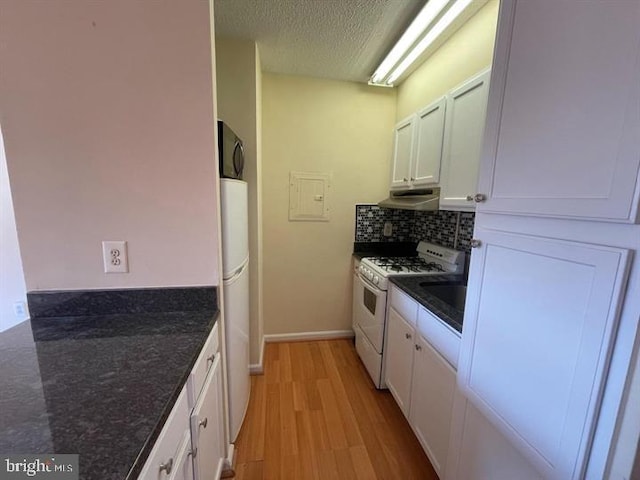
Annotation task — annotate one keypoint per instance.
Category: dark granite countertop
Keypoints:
(101, 386)
(410, 284)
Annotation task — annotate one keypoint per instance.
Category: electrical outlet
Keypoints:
(388, 229)
(20, 309)
(114, 255)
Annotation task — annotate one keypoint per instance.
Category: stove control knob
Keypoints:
(376, 280)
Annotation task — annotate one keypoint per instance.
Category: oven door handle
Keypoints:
(364, 282)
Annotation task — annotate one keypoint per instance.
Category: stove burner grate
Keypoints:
(409, 264)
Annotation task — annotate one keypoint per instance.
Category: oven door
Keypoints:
(369, 310)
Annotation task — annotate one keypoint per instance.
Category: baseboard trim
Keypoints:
(228, 463)
(258, 368)
(302, 336)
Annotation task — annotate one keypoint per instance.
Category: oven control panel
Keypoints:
(369, 274)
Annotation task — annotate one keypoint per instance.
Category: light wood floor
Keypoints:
(315, 414)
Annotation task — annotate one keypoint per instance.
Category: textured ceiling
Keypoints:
(338, 39)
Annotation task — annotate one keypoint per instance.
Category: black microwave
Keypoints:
(230, 152)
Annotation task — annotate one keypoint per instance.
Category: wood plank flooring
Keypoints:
(316, 415)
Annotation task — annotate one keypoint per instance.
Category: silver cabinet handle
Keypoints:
(418, 347)
(203, 423)
(479, 197)
(412, 179)
(475, 243)
(167, 466)
(193, 453)
(407, 336)
(211, 358)
(469, 198)
(405, 179)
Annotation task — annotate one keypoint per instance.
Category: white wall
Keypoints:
(106, 109)
(314, 125)
(12, 287)
(238, 91)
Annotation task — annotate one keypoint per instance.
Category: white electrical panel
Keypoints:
(309, 196)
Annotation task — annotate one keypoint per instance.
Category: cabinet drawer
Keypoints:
(165, 451)
(204, 363)
(442, 337)
(406, 306)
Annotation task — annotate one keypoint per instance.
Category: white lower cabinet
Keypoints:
(478, 451)
(183, 466)
(421, 381)
(540, 323)
(162, 460)
(399, 359)
(207, 428)
(420, 368)
(433, 387)
(191, 444)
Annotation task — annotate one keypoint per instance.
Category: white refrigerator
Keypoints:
(235, 281)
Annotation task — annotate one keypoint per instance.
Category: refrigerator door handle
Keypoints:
(237, 272)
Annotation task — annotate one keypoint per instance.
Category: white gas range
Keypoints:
(370, 285)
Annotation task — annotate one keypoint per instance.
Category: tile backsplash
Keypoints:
(439, 227)
(465, 230)
(370, 220)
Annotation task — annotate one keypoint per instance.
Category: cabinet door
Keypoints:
(183, 466)
(539, 328)
(429, 136)
(354, 309)
(402, 153)
(162, 460)
(563, 123)
(207, 427)
(432, 390)
(464, 132)
(399, 359)
(203, 364)
(480, 452)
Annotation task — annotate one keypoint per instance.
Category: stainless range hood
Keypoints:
(425, 199)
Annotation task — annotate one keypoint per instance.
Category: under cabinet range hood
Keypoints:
(425, 199)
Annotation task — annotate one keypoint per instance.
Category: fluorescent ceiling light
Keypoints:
(428, 39)
(428, 13)
(418, 27)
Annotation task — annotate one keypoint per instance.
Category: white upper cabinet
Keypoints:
(563, 126)
(428, 148)
(418, 148)
(402, 153)
(539, 327)
(464, 133)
